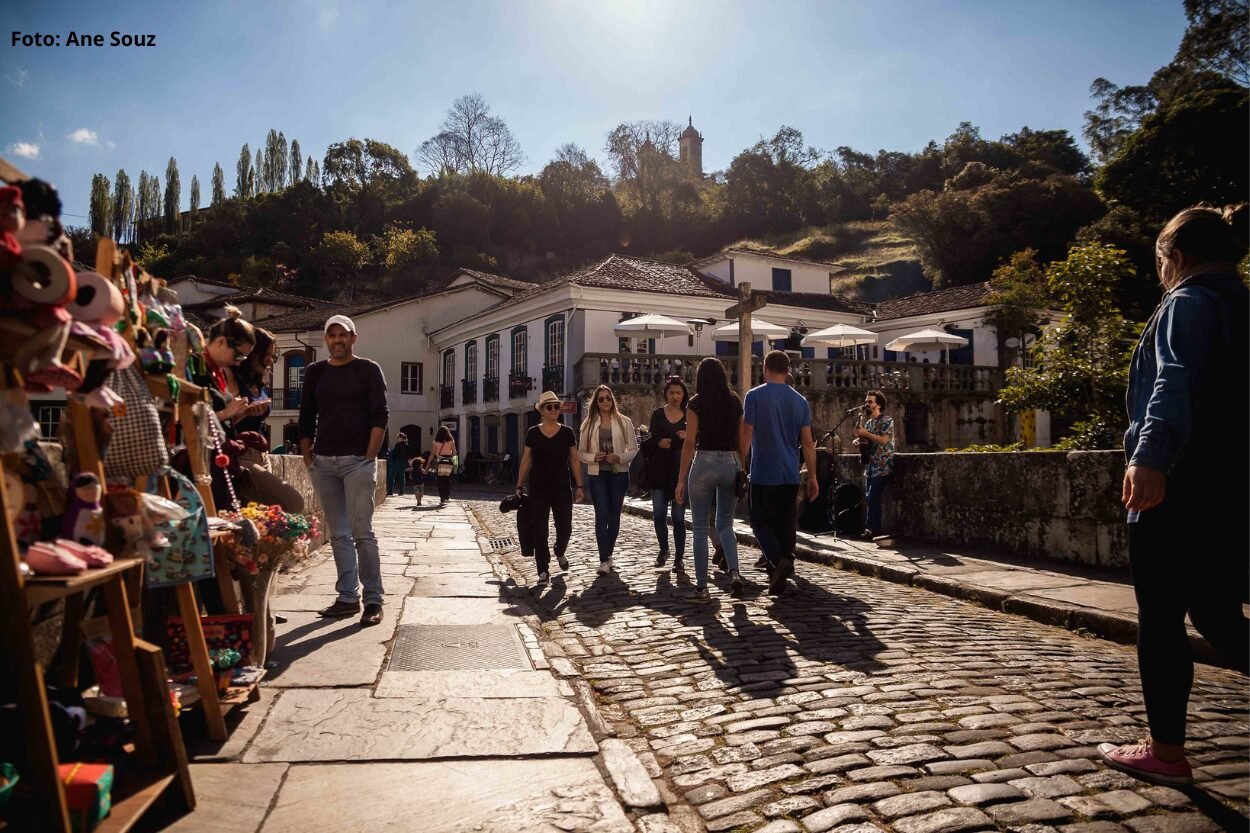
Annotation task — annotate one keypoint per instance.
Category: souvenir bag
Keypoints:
(189, 555)
(136, 448)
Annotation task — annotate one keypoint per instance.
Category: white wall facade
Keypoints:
(737, 268)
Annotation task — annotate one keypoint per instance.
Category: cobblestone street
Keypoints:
(851, 703)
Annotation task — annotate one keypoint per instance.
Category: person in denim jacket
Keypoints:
(1187, 535)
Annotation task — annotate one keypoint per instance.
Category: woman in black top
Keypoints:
(251, 379)
(551, 455)
(710, 458)
(667, 432)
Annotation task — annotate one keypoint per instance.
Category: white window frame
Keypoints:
(405, 377)
(555, 343)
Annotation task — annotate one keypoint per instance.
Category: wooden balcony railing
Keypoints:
(649, 372)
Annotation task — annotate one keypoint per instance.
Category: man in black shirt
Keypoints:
(342, 422)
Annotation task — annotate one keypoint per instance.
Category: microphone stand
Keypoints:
(833, 469)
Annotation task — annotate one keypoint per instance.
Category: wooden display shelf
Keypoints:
(133, 795)
(237, 695)
(40, 589)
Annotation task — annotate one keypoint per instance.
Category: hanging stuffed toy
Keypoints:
(84, 519)
(96, 308)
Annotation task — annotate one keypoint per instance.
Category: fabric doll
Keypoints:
(84, 519)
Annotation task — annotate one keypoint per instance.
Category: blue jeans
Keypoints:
(607, 493)
(712, 477)
(396, 476)
(345, 486)
(876, 488)
(660, 503)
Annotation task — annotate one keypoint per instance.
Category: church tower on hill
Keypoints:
(690, 145)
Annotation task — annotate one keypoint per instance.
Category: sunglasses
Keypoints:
(239, 355)
(551, 406)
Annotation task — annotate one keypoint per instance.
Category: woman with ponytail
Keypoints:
(1187, 401)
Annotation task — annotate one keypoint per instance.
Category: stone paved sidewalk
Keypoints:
(856, 704)
(347, 737)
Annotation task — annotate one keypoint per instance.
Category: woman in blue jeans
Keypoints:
(607, 444)
(710, 462)
(668, 432)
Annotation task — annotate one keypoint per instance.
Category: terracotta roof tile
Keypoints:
(494, 280)
(942, 300)
(767, 254)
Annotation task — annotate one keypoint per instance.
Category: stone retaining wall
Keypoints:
(1063, 506)
(290, 468)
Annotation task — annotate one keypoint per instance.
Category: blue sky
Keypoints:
(883, 74)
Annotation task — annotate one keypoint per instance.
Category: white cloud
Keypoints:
(84, 136)
(26, 150)
(17, 78)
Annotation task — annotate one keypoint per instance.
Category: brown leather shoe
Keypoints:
(372, 615)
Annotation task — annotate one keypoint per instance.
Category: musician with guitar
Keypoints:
(875, 438)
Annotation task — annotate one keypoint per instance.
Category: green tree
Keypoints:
(1191, 151)
(309, 176)
(101, 205)
(123, 206)
(173, 196)
(1217, 39)
(243, 173)
(1080, 369)
(259, 174)
(219, 185)
(1017, 302)
(340, 258)
(297, 163)
(399, 248)
(195, 199)
(282, 162)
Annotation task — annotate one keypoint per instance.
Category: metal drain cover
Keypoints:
(457, 648)
(501, 543)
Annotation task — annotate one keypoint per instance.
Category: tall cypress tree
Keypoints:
(243, 173)
(173, 196)
(123, 206)
(297, 163)
(195, 199)
(154, 203)
(141, 206)
(308, 173)
(259, 175)
(219, 184)
(284, 161)
(101, 205)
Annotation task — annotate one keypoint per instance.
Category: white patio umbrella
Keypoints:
(761, 330)
(840, 335)
(922, 341)
(651, 326)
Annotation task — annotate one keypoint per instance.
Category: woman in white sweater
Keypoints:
(607, 445)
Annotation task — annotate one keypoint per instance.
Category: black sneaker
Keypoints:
(340, 609)
(661, 559)
(679, 565)
(542, 579)
(563, 562)
(735, 583)
(372, 615)
(761, 563)
(718, 560)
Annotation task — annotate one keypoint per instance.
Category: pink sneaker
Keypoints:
(1140, 761)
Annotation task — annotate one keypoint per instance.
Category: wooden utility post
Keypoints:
(747, 304)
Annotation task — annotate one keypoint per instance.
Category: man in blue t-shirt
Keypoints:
(776, 420)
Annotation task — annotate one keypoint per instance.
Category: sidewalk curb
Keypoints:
(640, 796)
(1084, 620)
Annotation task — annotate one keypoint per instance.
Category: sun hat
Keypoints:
(343, 321)
(548, 396)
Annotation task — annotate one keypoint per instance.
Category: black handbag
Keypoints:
(740, 483)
